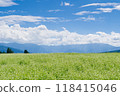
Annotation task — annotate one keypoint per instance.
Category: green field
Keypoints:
(60, 66)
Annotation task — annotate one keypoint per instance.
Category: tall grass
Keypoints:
(60, 66)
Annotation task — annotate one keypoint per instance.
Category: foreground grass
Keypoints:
(60, 66)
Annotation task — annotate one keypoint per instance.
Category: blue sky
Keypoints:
(92, 19)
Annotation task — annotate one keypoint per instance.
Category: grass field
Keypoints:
(60, 66)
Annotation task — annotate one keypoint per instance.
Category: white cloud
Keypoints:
(42, 36)
(117, 7)
(109, 9)
(13, 19)
(89, 18)
(7, 12)
(101, 4)
(66, 4)
(114, 6)
(87, 12)
(6, 3)
(57, 10)
(106, 9)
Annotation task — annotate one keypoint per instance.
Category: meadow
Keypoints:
(60, 66)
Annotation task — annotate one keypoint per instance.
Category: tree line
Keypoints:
(10, 51)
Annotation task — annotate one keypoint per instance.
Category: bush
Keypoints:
(25, 51)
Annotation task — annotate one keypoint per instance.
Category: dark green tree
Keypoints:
(3, 52)
(0, 52)
(9, 50)
(25, 51)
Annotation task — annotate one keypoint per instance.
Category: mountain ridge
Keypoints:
(80, 48)
(4, 49)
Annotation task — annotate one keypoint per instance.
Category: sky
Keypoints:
(60, 22)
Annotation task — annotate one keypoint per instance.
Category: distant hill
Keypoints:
(83, 48)
(114, 51)
(4, 48)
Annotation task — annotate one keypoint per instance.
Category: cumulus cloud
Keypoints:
(66, 4)
(13, 19)
(6, 3)
(41, 35)
(87, 12)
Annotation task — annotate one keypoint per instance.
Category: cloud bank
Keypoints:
(7, 3)
(41, 35)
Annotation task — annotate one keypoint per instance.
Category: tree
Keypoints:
(3, 52)
(0, 52)
(25, 51)
(9, 50)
